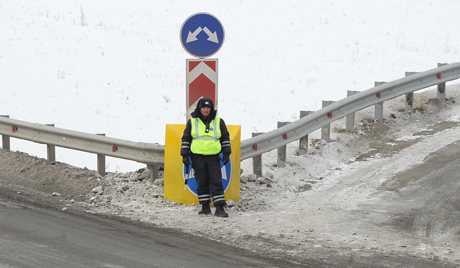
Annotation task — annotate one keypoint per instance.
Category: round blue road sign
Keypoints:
(226, 176)
(202, 35)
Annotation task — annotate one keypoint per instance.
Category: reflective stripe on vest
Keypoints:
(205, 143)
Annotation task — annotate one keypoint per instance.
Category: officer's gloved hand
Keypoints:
(225, 159)
(186, 160)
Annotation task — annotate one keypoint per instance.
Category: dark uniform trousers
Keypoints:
(208, 167)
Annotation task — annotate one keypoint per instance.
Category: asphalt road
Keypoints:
(41, 237)
(427, 206)
(32, 236)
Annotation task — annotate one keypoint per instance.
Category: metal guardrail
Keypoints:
(294, 131)
(148, 153)
(153, 154)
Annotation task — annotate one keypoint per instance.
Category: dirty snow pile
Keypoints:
(317, 200)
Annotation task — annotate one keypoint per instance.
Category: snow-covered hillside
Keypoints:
(117, 67)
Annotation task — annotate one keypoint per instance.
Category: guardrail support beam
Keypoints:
(441, 88)
(101, 162)
(51, 150)
(378, 108)
(410, 102)
(350, 117)
(410, 97)
(257, 161)
(326, 130)
(303, 142)
(281, 158)
(6, 139)
(6, 143)
(378, 111)
(153, 171)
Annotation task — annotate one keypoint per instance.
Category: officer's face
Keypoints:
(205, 111)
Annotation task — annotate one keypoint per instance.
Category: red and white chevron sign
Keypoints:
(201, 79)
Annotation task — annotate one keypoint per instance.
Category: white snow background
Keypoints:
(117, 67)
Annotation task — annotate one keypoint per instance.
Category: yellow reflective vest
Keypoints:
(205, 143)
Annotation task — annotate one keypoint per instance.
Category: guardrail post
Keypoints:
(101, 162)
(51, 149)
(326, 130)
(378, 108)
(410, 102)
(303, 142)
(153, 172)
(281, 158)
(6, 139)
(410, 97)
(350, 117)
(257, 161)
(441, 88)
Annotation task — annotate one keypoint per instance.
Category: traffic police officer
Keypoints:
(205, 136)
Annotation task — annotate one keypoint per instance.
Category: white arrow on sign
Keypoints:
(192, 36)
(203, 68)
(212, 36)
(223, 170)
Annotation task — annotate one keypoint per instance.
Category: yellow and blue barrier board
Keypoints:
(175, 172)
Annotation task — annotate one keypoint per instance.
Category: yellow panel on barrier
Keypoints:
(175, 170)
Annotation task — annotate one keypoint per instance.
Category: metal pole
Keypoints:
(6, 139)
(303, 142)
(281, 158)
(350, 117)
(441, 88)
(378, 108)
(51, 150)
(410, 97)
(257, 161)
(326, 130)
(153, 172)
(101, 162)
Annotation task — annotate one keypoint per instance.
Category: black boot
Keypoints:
(205, 209)
(220, 212)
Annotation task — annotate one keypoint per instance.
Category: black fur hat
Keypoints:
(205, 102)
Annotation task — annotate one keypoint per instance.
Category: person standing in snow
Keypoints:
(205, 136)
